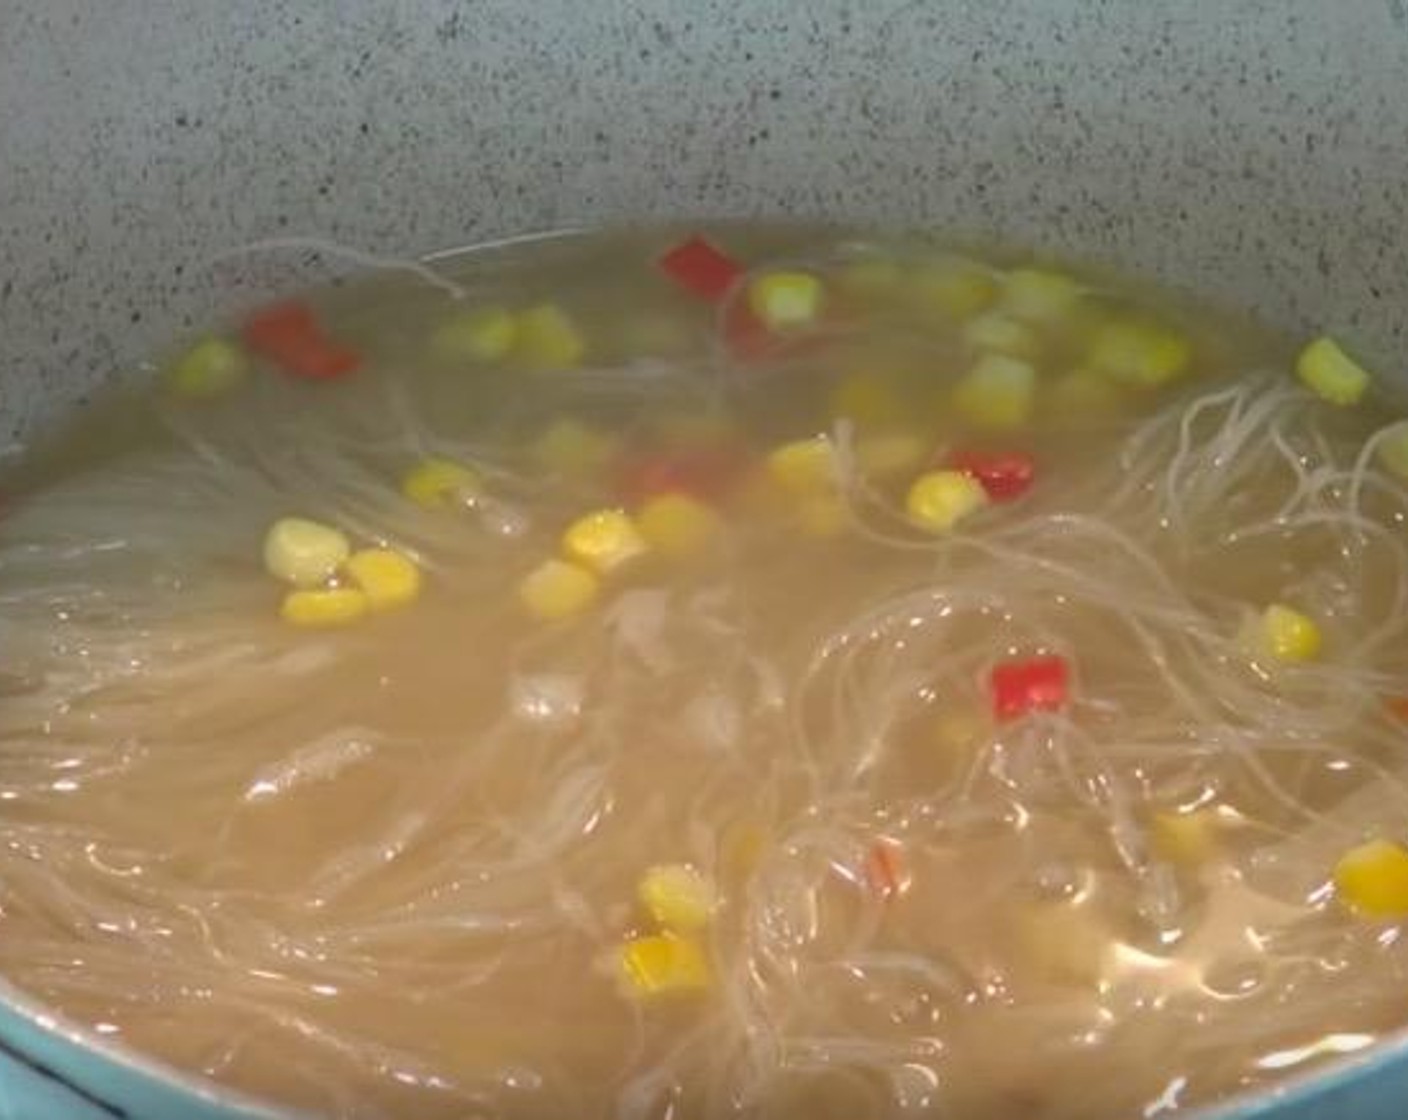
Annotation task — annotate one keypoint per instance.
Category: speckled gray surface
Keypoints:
(1258, 149)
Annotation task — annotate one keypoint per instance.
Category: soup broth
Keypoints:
(782, 674)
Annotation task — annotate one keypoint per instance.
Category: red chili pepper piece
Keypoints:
(1005, 476)
(272, 329)
(1397, 706)
(1031, 684)
(884, 871)
(701, 268)
(318, 360)
(706, 474)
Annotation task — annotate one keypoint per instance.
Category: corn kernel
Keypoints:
(388, 578)
(995, 333)
(324, 607)
(486, 334)
(1325, 368)
(677, 897)
(956, 289)
(1373, 879)
(804, 466)
(1138, 353)
(939, 500)
(1186, 838)
(958, 728)
(997, 393)
(663, 964)
(558, 589)
(785, 300)
(304, 553)
(869, 279)
(1286, 635)
(545, 338)
(866, 400)
(885, 455)
(439, 482)
(603, 540)
(677, 525)
(1037, 296)
(207, 369)
(822, 514)
(1393, 452)
(569, 447)
(1066, 942)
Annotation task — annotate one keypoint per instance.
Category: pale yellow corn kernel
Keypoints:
(558, 589)
(1143, 354)
(1065, 942)
(955, 289)
(1373, 879)
(677, 897)
(995, 333)
(1330, 373)
(1187, 838)
(867, 399)
(939, 500)
(546, 338)
(1083, 394)
(304, 553)
(209, 368)
(822, 514)
(1284, 634)
(440, 482)
(804, 466)
(663, 964)
(486, 334)
(958, 728)
(870, 279)
(886, 455)
(388, 578)
(677, 525)
(785, 300)
(569, 447)
(324, 607)
(1393, 452)
(1036, 295)
(997, 393)
(604, 540)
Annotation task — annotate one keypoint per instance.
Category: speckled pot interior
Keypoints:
(1256, 151)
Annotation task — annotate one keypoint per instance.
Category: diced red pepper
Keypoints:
(701, 268)
(1005, 475)
(705, 473)
(318, 360)
(288, 323)
(1028, 685)
(884, 870)
(1397, 706)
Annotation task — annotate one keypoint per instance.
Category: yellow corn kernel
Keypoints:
(1084, 395)
(569, 447)
(1186, 838)
(603, 540)
(804, 466)
(885, 455)
(870, 279)
(1066, 942)
(785, 300)
(939, 500)
(1325, 368)
(486, 334)
(957, 728)
(304, 553)
(677, 525)
(1393, 452)
(1283, 634)
(440, 482)
(558, 589)
(546, 338)
(1036, 295)
(995, 333)
(867, 400)
(956, 289)
(677, 897)
(822, 514)
(209, 368)
(324, 607)
(1373, 879)
(663, 964)
(997, 393)
(1143, 354)
(388, 578)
